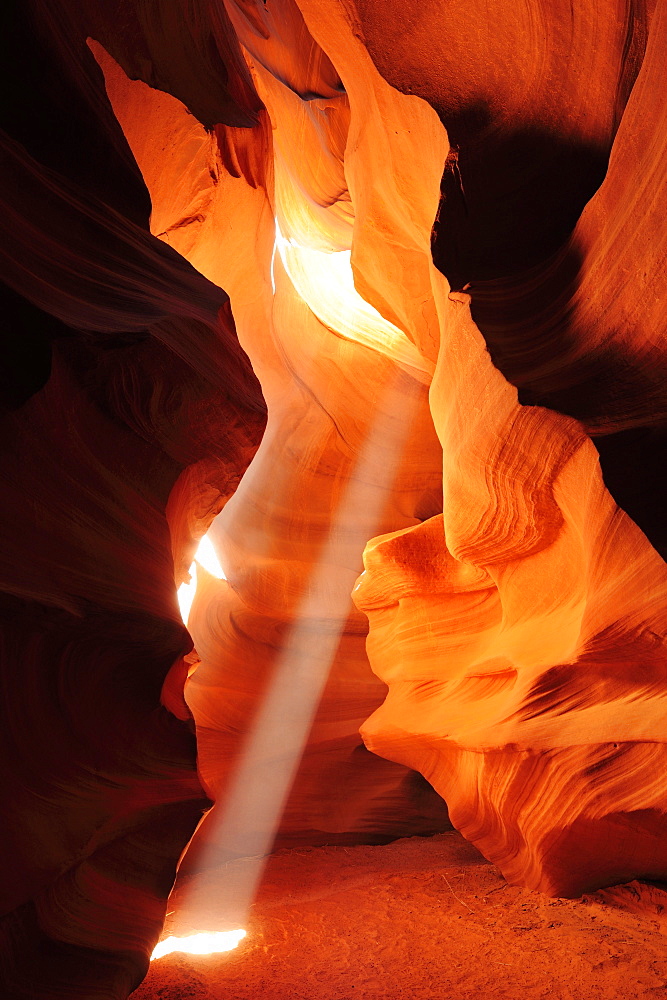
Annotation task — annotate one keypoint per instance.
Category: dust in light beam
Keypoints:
(258, 789)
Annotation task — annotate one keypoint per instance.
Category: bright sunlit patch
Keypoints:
(325, 281)
(206, 557)
(199, 944)
(186, 594)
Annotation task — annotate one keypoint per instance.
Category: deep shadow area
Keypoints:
(509, 207)
(25, 348)
(534, 339)
(634, 467)
(532, 331)
(509, 199)
(54, 103)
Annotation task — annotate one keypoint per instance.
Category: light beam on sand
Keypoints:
(199, 944)
(255, 800)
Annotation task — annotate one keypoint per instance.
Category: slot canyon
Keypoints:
(334, 493)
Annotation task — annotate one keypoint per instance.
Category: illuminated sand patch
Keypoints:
(199, 944)
(371, 921)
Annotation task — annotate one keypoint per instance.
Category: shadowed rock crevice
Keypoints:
(510, 198)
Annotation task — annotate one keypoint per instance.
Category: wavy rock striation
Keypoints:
(122, 369)
(319, 278)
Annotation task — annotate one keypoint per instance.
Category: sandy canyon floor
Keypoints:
(418, 919)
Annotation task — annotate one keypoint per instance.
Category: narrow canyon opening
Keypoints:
(333, 581)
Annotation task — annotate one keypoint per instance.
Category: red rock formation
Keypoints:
(537, 720)
(146, 379)
(321, 175)
(365, 440)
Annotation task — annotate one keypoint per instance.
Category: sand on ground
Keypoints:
(418, 919)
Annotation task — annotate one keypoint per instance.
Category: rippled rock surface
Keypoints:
(347, 286)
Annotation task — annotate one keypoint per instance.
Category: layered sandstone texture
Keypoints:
(347, 286)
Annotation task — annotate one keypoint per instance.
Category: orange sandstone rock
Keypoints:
(321, 176)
